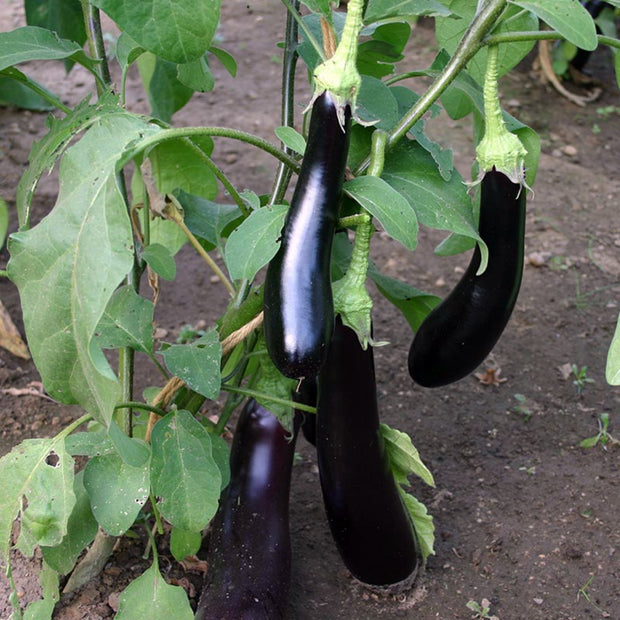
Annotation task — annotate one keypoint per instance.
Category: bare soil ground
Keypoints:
(525, 518)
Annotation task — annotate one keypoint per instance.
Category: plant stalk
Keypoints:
(92, 22)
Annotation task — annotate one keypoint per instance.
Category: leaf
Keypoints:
(160, 260)
(185, 477)
(422, 522)
(198, 364)
(179, 31)
(569, 17)
(196, 75)
(134, 451)
(33, 43)
(376, 102)
(322, 7)
(292, 139)
(117, 491)
(14, 90)
(127, 51)
(590, 442)
(221, 456)
(383, 9)
(46, 151)
(184, 543)
(255, 242)
(404, 457)
(126, 322)
(89, 443)
(227, 60)
(81, 531)
(391, 209)
(612, 368)
(179, 164)
(168, 234)
(4, 221)
(39, 472)
(68, 266)
(43, 608)
(149, 596)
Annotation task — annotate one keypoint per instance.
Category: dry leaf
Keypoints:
(9, 336)
(490, 377)
(34, 388)
(192, 564)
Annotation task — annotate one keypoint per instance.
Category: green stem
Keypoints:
(134, 404)
(74, 425)
(377, 153)
(318, 48)
(158, 524)
(268, 397)
(610, 41)
(96, 46)
(465, 51)
(222, 132)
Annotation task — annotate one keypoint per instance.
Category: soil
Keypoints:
(524, 517)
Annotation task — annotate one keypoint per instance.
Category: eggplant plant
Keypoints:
(134, 188)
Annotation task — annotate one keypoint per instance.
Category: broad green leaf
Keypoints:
(184, 543)
(422, 523)
(135, 452)
(185, 478)
(179, 164)
(149, 596)
(413, 303)
(292, 139)
(377, 56)
(127, 51)
(392, 210)
(322, 7)
(376, 102)
(39, 472)
(15, 89)
(569, 17)
(160, 260)
(117, 491)
(226, 59)
(208, 220)
(46, 151)
(165, 92)
(255, 242)
(68, 266)
(81, 531)
(89, 443)
(198, 364)
(404, 457)
(33, 43)
(126, 322)
(179, 31)
(4, 221)
(43, 608)
(612, 368)
(383, 9)
(196, 75)
(221, 456)
(449, 31)
(589, 442)
(412, 172)
(168, 234)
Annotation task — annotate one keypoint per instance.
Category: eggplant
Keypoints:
(249, 556)
(367, 517)
(298, 304)
(460, 332)
(306, 394)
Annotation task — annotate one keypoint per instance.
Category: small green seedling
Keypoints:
(481, 610)
(189, 333)
(583, 591)
(522, 407)
(603, 436)
(581, 378)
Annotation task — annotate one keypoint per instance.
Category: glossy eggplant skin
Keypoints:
(249, 555)
(460, 332)
(298, 304)
(367, 517)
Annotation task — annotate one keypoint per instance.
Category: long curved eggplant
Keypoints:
(249, 556)
(461, 331)
(368, 520)
(298, 304)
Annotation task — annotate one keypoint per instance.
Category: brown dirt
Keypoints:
(524, 517)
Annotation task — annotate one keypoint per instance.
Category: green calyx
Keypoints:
(339, 75)
(498, 149)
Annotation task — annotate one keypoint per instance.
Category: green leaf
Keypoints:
(569, 17)
(81, 531)
(89, 443)
(612, 368)
(149, 596)
(126, 322)
(179, 164)
(590, 442)
(422, 522)
(449, 32)
(14, 90)
(68, 266)
(134, 451)
(383, 9)
(392, 210)
(255, 242)
(413, 303)
(165, 92)
(322, 7)
(196, 75)
(160, 260)
(179, 31)
(46, 151)
(221, 456)
(292, 139)
(376, 102)
(127, 51)
(167, 233)
(117, 491)
(227, 60)
(33, 43)
(377, 56)
(39, 472)
(4, 221)
(198, 364)
(184, 543)
(404, 457)
(185, 478)
(43, 608)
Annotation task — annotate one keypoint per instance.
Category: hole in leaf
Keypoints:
(52, 459)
